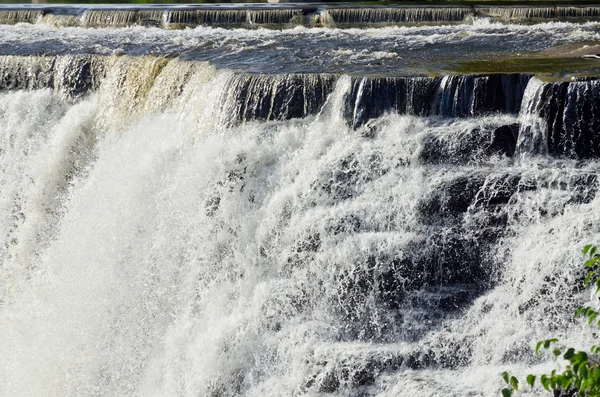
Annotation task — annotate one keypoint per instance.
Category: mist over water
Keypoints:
(173, 227)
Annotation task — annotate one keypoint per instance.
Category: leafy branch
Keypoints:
(582, 373)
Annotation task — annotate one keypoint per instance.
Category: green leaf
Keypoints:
(556, 352)
(514, 382)
(506, 392)
(597, 373)
(569, 354)
(592, 318)
(581, 356)
(530, 380)
(593, 251)
(538, 345)
(587, 248)
(588, 278)
(506, 377)
(545, 381)
(584, 371)
(591, 262)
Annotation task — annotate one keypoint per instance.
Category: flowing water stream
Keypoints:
(287, 212)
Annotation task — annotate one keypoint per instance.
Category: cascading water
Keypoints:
(308, 15)
(361, 15)
(180, 223)
(519, 13)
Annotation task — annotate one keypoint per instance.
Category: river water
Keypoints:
(306, 210)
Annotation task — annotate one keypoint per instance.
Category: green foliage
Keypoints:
(582, 372)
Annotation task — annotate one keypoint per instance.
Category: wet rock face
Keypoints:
(447, 203)
(73, 75)
(449, 96)
(569, 393)
(370, 98)
(80, 75)
(277, 97)
(363, 15)
(471, 147)
(571, 114)
(19, 73)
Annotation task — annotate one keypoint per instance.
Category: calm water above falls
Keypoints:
(291, 212)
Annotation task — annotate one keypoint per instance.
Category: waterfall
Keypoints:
(533, 137)
(391, 15)
(172, 228)
(285, 16)
(578, 12)
(564, 117)
(517, 13)
(448, 96)
(104, 18)
(275, 97)
(16, 16)
(72, 75)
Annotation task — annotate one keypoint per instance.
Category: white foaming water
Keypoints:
(45, 145)
(532, 129)
(169, 255)
(302, 49)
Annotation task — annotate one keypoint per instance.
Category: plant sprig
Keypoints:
(582, 372)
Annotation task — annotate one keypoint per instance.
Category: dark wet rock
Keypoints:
(347, 224)
(341, 184)
(449, 96)
(569, 393)
(73, 75)
(346, 177)
(448, 257)
(470, 147)
(370, 98)
(276, 97)
(504, 140)
(310, 243)
(330, 383)
(81, 75)
(212, 204)
(582, 187)
(473, 95)
(450, 200)
(21, 73)
(380, 286)
(355, 373)
(571, 114)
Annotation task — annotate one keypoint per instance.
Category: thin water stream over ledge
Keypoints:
(255, 204)
(342, 15)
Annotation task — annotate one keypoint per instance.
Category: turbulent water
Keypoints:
(224, 212)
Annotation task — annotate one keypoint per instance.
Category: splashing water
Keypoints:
(175, 229)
